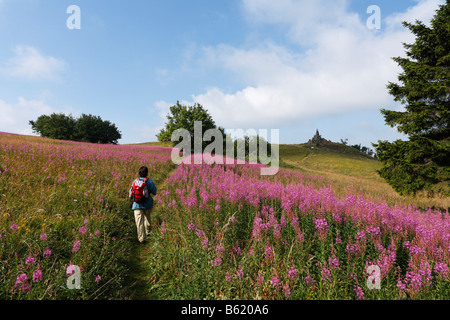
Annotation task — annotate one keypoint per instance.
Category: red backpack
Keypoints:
(139, 191)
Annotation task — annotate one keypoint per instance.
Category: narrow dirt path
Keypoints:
(140, 279)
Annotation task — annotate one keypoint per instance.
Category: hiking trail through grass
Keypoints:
(140, 278)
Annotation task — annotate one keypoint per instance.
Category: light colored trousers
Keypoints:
(142, 218)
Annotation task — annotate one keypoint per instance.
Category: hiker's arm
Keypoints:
(152, 187)
(129, 192)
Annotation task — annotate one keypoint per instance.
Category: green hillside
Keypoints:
(337, 159)
(346, 170)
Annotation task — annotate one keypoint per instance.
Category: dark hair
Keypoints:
(143, 172)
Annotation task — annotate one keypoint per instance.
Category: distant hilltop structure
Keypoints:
(317, 140)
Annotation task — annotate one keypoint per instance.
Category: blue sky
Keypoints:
(296, 66)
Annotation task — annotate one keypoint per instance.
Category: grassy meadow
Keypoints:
(64, 203)
(348, 170)
(219, 231)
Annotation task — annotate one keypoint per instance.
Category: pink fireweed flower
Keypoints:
(43, 236)
(200, 233)
(292, 274)
(220, 249)
(257, 227)
(418, 278)
(353, 250)
(413, 282)
(425, 272)
(29, 260)
(14, 227)
(321, 224)
(82, 230)
(287, 290)
(76, 246)
(386, 260)
(228, 277)
(191, 227)
(373, 231)
(322, 227)
(326, 274)
(401, 285)
(337, 217)
(283, 221)
(191, 202)
(239, 274)
(37, 275)
(294, 222)
(309, 281)
(300, 237)
(272, 220)
(275, 282)
(333, 262)
(47, 253)
(97, 232)
(361, 236)
(98, 278)
(217, 262)
(237, 250)
(441, 270)
(353, 276)
(22, 282)
(359, 293)
(205, 243)
(416, 250)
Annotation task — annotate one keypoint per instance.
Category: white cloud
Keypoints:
(163, 108)
(29, 63)
(422, 11)
(346, 67)
(303, 19)
(15, 117)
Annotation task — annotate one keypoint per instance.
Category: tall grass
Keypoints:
(65, 203)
